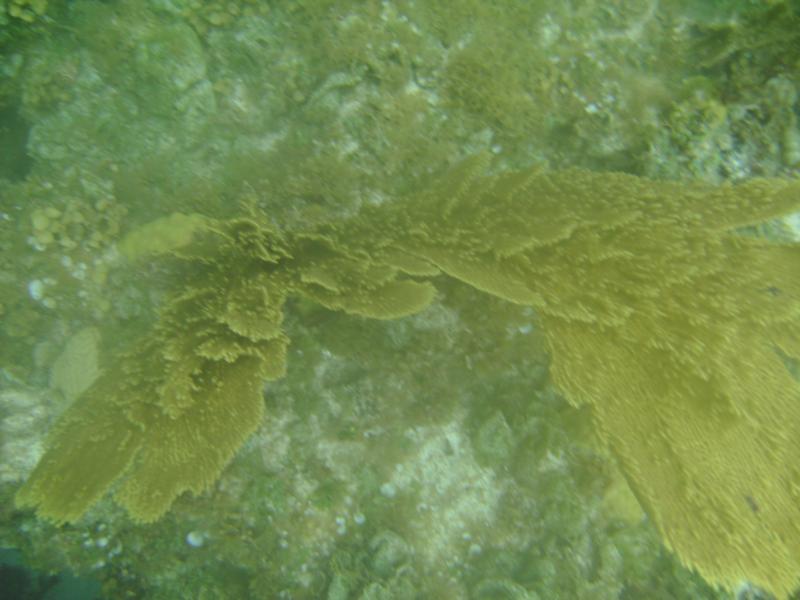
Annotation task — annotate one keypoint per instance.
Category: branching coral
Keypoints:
(671, 326)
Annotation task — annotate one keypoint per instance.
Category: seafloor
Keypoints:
(424, 457)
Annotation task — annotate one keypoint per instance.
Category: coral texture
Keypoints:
(676, 329)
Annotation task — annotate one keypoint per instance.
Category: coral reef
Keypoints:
(647, 299)
(430, 454)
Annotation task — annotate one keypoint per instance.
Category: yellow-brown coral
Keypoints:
(670, 325)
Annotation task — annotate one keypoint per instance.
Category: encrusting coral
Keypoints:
(676, 329)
